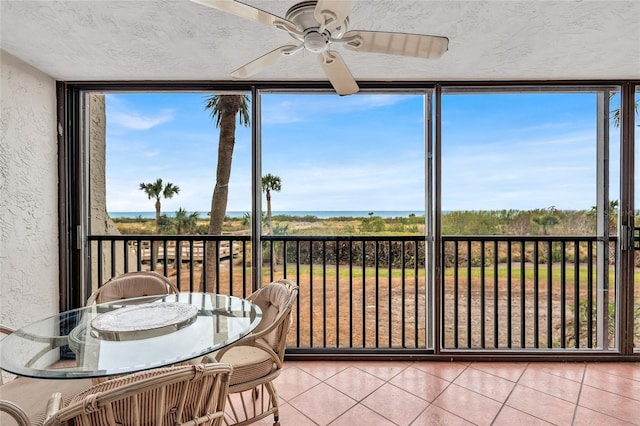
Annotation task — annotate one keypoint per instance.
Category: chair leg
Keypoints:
(274, 403)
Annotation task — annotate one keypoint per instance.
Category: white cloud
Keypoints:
(381, 184)
(300, 108)
(123, 115)
(136, 121)
(283, 112)
(365, 102)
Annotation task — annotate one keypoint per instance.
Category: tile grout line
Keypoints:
(430, 404)
(301, 413)
(320, 381)
(388, 382)
(449, 381)
(504, 403)
(575, 409)
(359, 402)
(582, 385)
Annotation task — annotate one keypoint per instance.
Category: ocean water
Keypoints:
(319, 214)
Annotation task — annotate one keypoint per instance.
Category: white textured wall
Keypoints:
(100, 222)
(28, 193)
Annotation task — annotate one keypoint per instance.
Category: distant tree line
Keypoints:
(409, 255)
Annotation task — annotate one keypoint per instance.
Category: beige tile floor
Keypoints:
(457, 393)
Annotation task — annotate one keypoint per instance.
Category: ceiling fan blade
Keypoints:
(338, 73)
(263, 61)
(416, 45)
(248, 12)
(340, 8)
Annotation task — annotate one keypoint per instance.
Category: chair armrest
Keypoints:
(15, 412)
(277, 322)
(53, 405)
(259, 344)
(92, 299)
(4, 329)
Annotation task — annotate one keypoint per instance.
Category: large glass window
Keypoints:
(155, 159)
(336, 193)
(525, 152)
(535, 165)
(353, 157)
(352, 168)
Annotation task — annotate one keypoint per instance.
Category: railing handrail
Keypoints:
(553, 238)
(225, 237)
(167, 237)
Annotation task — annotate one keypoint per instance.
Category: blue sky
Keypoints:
(521, 150)
(362, 152)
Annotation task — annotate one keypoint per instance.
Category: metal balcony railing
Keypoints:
(527, 293)
(369, 294)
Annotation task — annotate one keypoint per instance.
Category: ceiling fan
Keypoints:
(317, 26)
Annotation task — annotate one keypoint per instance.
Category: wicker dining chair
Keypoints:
(185, 395)
(132, 284)
(23, 399)
(257, 358)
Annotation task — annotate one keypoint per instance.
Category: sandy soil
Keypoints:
(346, 314)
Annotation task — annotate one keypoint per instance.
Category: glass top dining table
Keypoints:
(127, 335)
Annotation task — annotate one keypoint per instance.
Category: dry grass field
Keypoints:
(339, 309)
(358, 313)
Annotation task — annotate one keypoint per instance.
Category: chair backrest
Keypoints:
(180, 395)
(276, 302)
(132, 284)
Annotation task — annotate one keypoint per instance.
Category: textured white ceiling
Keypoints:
(182, 40)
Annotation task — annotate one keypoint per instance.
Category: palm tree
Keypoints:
(183, 222)
(547, 219)
(616, 114)
(223, 110)
(270, 183)
(157, 190)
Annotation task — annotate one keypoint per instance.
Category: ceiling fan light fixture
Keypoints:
(316, 42)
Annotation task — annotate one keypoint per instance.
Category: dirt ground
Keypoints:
(354, 313)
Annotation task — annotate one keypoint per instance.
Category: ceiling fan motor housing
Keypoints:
(316, 42)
